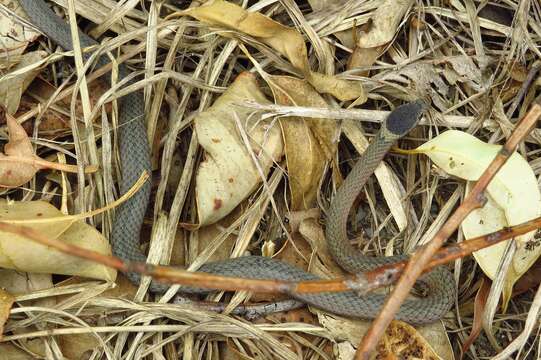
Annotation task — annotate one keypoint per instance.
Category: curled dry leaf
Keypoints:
(6, 301)
(513, 198)
(384, 22)
(479, 309)
(19, 164)
(322, 263)
(15, 173)
(400, 341)
(404, 342)
(378, 32)
(308, 142)
(228, 173)
(285, 40)
(11, 90)
(17, 252)
(14, 36)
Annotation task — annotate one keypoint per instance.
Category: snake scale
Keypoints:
(135, 158)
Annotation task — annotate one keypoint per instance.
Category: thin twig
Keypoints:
(363, 283)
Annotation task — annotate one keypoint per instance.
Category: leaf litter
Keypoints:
(467, 58)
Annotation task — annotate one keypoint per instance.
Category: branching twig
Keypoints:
(418, 261)
(363, 283)
(388, 274)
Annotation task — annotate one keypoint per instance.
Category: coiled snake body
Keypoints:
(135, 158)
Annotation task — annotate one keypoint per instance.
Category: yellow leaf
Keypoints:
(514, 188)
(19, 253)
(513, 197)
(228, 173)
(285, 40)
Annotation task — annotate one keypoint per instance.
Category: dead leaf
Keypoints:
(311, 231)
(530, 280)
(364, 57)
(53, 123)
(9, 351)
(75, 346)
(404, 342)
(15, 37)
(479, 309)
(285, 40)
(400, 339)
(384, 23)
(11, 90)
(228, 173)
(308, 142)
(17, 173)
(207, 235)
(378, 32)
(6, 301)
(17, 252)
(18, 283)
(467, 71)
(295, 218)
(425, 79)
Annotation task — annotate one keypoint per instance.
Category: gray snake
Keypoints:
(135, 159)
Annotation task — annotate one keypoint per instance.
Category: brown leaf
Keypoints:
(364, 57)
(297, 217)
(530, 280)
(402, 341)
(76, 346)
(378, 32)
(384, 23)
(308, 142)
(52, 122)
(6, 301)
(14, 173)
(312, 231)
(285, 40)
(8, 351)
(480, 302)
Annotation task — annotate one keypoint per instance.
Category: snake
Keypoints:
(135, 159)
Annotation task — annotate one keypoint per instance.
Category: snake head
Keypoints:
(405, 117)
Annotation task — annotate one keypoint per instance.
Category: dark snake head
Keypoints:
(405, 117)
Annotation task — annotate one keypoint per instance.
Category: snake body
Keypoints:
(134, 156)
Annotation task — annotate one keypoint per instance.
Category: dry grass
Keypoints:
(470, 68)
